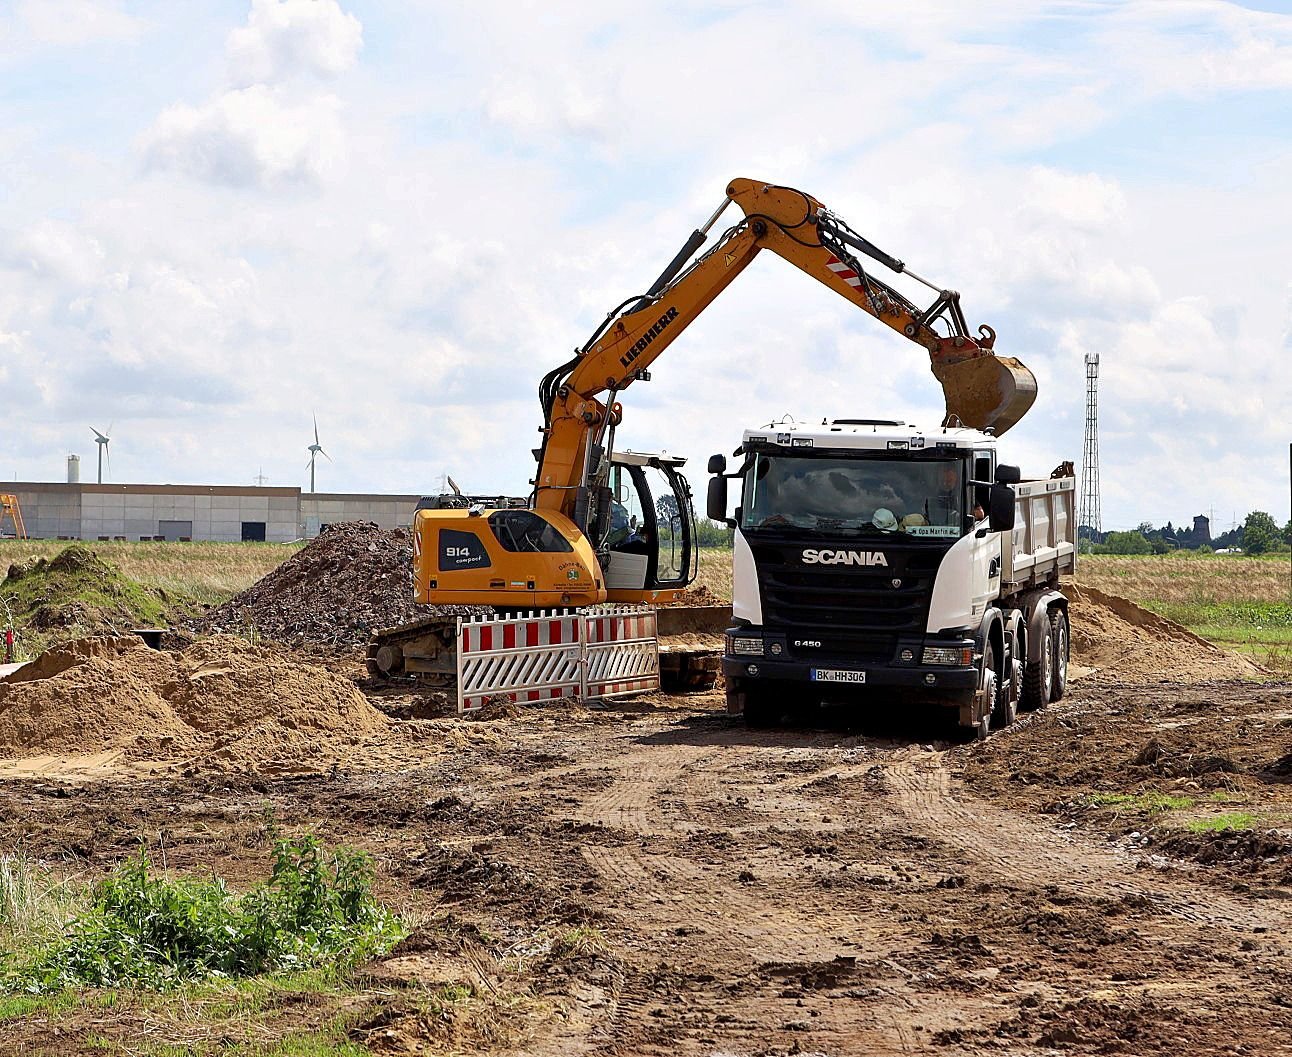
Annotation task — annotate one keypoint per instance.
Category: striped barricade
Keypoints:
(601, 652)
(621, 648)
(536, 657)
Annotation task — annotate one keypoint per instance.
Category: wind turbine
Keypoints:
(101, 439)
(315, 450)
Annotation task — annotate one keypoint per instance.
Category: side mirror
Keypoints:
(1008, 474)
(1001, 511)
(717, 464)
(716, 506)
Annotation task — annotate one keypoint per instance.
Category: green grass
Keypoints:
(1158, 807)
(207, 572)
(1230, 822)
(216, 971)
(1262, 630)
(1151, 802)
(33, 904)
(578, 942)
(221, 1012)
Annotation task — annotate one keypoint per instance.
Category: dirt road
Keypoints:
(657, 879)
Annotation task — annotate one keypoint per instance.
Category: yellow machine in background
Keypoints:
(567, 547)
(11, 511)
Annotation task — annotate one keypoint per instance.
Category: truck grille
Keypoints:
(852, 610)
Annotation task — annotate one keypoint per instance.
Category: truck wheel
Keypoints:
(751, 700)
(1061, 645)
(1006, 710)
(735, 697)
(991, 693)
(1038, 679)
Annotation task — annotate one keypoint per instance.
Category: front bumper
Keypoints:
(877, 674)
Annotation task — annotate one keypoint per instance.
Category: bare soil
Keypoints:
(653, 878)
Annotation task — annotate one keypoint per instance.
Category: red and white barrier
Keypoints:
(601, 652)
(621, 647)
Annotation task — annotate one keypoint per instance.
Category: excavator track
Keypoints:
(422, 649)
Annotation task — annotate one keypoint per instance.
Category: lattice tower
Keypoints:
(1089, 516)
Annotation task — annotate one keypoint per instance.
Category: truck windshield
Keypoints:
(858, 496)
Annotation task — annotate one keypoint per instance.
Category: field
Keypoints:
(1112, 875)
(202, 572)
(1239, 602)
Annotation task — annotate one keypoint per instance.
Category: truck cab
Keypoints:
(874, 554)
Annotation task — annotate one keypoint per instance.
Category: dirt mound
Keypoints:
(1124, 640)
(699, 595)
(219, 700)
(77, 594)
(352, 578)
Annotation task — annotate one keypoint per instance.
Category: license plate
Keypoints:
(837, 675)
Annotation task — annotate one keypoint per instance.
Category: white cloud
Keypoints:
(73, 22)
(56, 249)
(468, 222)
(287, 37)
(271, 132)
(1078, 201)
(249, 137)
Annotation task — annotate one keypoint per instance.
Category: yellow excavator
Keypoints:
(605, 525)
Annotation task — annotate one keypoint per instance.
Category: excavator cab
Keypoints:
(649, 546)
(513, 558)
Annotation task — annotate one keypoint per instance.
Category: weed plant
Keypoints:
(31, 901)
(152, 931)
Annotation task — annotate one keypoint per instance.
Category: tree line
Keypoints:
(1258, 534)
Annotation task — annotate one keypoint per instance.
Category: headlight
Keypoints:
(961, 656)
(747, 647)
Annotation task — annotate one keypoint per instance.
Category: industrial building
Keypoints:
(196, 512)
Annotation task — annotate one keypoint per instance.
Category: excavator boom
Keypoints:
(981, 390)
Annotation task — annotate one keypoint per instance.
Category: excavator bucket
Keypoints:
(993, 391)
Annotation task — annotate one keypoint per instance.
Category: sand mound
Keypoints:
(1126, 641)
(354, 577)
(220, 700)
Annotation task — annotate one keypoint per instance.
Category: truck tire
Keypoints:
(1061, 645)
(753, 701)
(1006, 709)
(1038, 678)
(991, 686)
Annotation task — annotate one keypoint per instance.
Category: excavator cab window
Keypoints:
(651, 516)
(523, 530)
(670, 533)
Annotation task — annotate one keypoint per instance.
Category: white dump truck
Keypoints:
(876, 558)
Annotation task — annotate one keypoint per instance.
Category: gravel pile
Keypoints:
(354, 577)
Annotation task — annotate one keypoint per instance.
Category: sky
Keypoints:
(221, 218)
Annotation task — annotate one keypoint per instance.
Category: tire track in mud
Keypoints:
(1036, 855)
(739, 927)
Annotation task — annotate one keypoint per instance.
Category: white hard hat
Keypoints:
(884, 520)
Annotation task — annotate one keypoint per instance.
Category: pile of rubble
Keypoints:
(354, 577)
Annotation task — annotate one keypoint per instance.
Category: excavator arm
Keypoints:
(981, 389)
